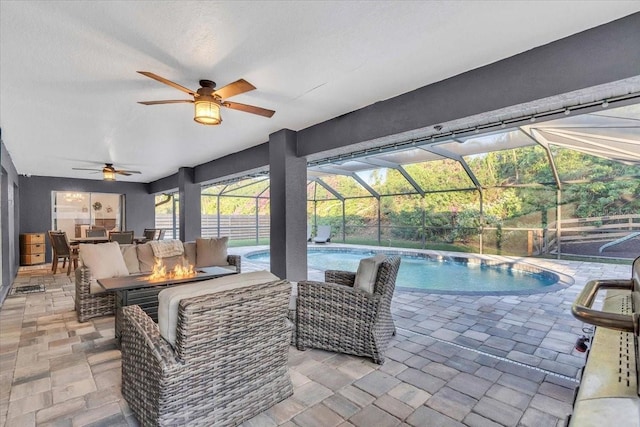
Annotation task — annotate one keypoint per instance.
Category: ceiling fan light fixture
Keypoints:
(207, 111)
(108, 175)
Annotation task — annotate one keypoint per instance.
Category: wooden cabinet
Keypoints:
(31, 248)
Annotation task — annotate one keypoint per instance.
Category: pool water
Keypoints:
(432, 274)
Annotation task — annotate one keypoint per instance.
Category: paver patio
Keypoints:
(456, 360)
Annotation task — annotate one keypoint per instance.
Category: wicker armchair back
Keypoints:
(327, 312)
(228, 365)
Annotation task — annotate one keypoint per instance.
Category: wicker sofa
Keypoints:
(91, 300)
(336, 316)
(222, 361)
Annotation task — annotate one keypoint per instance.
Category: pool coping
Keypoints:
(495, 261)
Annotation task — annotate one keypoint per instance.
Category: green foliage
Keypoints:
(518, 191)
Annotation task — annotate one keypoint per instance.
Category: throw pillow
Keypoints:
(171, 261)
(368, 272)
(190, 252)
(130, 255)
(211, 252)
(145, 258)
(104, 260)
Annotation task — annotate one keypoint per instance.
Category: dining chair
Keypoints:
(154, 233)
(122, 237)
(62, 249)
(96, 232)
(149, 233)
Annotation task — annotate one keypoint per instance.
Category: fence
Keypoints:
(237, 227)
(587, 230)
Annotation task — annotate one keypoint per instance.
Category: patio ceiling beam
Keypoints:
(246, 185)
(259, 195)
(602, 153)
(366, 186)
(412, 181)
(582, 138)
(332, 170)
(534, 134)
(328, 188)
(457, 157)
(399, 168)
(223, 190)
(380, 163)
(342, 172)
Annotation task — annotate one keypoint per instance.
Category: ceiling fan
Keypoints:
(109, 172)
(208, 100)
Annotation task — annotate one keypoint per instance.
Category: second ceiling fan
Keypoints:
(208, 100)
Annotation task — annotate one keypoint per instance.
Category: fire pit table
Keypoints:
(143, 291)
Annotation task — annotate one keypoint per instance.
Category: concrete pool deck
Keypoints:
(456, 360)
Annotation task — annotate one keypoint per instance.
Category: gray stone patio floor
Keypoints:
(457, 360)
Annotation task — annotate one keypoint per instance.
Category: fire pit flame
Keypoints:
(179, 271)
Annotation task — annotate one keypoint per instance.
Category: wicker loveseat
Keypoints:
(337, 316)
(222, 361)
(91, 300)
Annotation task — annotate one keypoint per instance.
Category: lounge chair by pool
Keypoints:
(323, 235)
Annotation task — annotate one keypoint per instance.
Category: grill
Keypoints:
(608, 394)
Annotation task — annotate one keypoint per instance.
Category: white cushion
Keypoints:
(169, 299)
(104, 260)
(130, 256)
(368, 272)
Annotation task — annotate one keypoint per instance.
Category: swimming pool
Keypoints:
(439, 274)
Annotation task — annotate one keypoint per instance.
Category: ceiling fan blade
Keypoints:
(87, 169)
(249, 109)
(167, 82)
(235, 88)
(124, 172)
(169, 101)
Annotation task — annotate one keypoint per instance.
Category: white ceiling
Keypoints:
(69, 87)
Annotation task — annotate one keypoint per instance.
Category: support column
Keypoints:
(288, 174)
(190, 201)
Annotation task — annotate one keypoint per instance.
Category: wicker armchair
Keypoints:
(90, 305)
(336, 317)
(228, 364)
